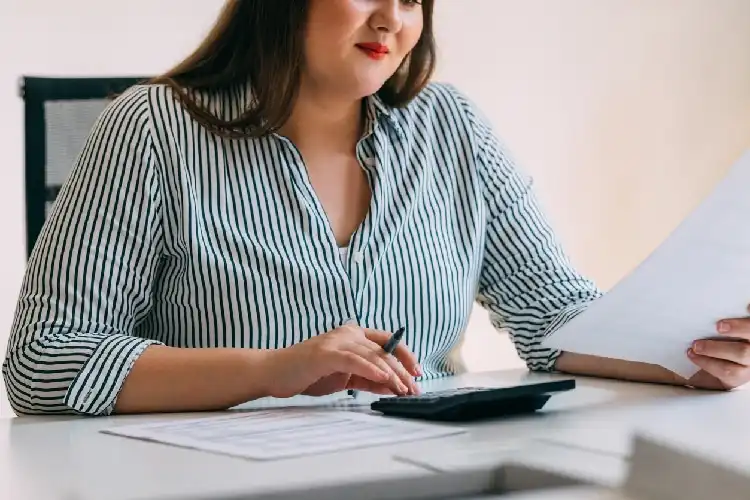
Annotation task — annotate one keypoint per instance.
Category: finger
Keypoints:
(402, 351)
(353, 339)
(362, 384)
(738, 352)
(377, 358)
(727, 372)
(406, 378)
(346, 361)
(739, 327)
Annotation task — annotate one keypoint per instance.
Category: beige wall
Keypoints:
(626, 111)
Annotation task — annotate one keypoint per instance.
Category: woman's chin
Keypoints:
(358, 84)
(368, 80)
(368, 87)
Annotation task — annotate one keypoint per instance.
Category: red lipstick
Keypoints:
(374, 50)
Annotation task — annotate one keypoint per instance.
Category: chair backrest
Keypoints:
(58, 116)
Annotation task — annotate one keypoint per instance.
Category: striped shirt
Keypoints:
(165, 233)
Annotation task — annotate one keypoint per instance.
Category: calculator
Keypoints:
(473, 403)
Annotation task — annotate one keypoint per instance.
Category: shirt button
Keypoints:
(359, 257)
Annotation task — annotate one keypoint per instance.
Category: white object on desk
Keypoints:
(525, 464)
(699, 275)
(664, 469)
(277, 434)
(566, 493)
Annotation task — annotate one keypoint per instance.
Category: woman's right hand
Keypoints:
(348, 357)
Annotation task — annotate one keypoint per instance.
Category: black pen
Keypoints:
(392, 343)
(389, 347)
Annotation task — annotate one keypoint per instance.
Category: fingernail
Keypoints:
(697, 347)
(690, 352)
(723, 327)
(419, 370)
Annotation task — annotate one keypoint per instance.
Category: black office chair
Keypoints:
(58, 114)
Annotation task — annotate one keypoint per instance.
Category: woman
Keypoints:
(254, 223)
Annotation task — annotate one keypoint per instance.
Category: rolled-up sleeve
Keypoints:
(89, 279)
(527, 282)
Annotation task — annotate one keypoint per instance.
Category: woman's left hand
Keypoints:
(724, 359)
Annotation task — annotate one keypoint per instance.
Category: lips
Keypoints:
(373, 49)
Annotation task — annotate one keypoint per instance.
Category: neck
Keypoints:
(324, 119)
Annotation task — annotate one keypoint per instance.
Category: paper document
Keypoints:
(276, 434)
(699, 275)
(341, 401)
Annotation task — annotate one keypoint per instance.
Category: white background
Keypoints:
(625, 111)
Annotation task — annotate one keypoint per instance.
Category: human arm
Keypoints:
(595, 366)
(527, 282)
(168, 379)
(89, 278)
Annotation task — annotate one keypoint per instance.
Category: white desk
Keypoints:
(66, 457)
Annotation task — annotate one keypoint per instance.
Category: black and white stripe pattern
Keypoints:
(166, 233)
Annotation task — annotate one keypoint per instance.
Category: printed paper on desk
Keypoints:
(699, 275)
(283, 433)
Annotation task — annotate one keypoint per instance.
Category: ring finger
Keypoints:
(403, 374)
(373, 357)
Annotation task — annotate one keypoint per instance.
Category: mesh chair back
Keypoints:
(58, 116)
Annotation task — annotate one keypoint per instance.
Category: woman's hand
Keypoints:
(724, 359)
(348, 357)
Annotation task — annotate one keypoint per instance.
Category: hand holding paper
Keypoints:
(699, 276)
(725, 359)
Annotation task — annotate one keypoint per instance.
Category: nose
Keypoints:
(387, 16)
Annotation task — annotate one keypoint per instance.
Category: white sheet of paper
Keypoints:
(283, 433)
(697, 276)
(339, 401)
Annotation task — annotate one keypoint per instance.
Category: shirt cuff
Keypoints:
(95, 389)
(544, 359)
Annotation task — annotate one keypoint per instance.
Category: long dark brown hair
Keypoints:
(261, 43)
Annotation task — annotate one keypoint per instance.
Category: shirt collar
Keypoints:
(378, 111)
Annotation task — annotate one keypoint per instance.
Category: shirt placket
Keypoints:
(344, 309)
(362, 257)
